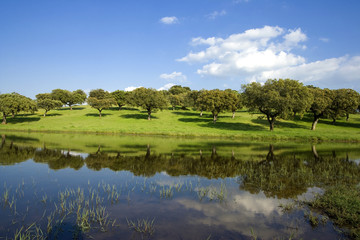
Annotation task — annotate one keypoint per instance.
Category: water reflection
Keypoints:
(192, 189)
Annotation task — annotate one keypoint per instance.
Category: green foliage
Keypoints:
(178, 96)
(120, 98)
(14, 103)
(69, 98)
(216, 101)
(233, 99)
(100, 100)
(344, 102)
(320, 107)
(276, 98)
(148, 99)
(48, 104)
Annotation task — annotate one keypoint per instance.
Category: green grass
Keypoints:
(183, 123)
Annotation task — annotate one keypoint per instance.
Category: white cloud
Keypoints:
(324, 40)
(166, 86)
(216, 14)
(262, 53)
(174, 76)
(132, 88)
(169, 20)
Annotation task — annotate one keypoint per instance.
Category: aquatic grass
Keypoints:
(166, 192)
(143, 226)
(341, 204)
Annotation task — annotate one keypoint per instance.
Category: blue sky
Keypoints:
(85, 44)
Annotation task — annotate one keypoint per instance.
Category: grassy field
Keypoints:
(183, 123)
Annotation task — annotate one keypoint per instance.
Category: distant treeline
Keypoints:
(276, 98)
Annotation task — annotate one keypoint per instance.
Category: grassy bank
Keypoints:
(183, 123)
(342, 205)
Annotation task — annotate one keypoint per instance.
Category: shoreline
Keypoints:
(275, 138)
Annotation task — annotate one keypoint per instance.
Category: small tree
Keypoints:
(233, 99)
(120, 98)
(100, 100)
(45, 102)
(148, 99)
(320, 107)
(214, 101)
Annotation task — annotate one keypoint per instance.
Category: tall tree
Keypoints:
(275, 98)
(120, 98)
(214, 101)
(320, 107)
(233, 99)
(100, 100)
(148, 99)
(45, 102)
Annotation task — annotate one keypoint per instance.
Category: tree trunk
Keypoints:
(347, 117)
(233, 115)
(148, 152)
(3, 140)
(13, 114)
(149, 115)
(333, 121)
(313, 149)
(316, 119)
(271, 121)
(270, 155)
(99, 113)
(45, 113)
(201, 113)
(70, 106)
(215, 118)
(173, 108)
(4, 118)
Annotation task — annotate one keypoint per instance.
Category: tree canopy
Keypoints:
(320, 107)
(216, 101)
(69, 98)
(276, 98)
(149, 99)
(120, 98)
(13, 103)
(45, 101)
(100, 100)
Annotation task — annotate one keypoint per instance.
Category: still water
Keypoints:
(63, 186)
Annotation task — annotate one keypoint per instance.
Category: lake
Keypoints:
(64, 186)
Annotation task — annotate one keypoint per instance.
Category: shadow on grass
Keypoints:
(68, 108)
(340, 124)
(278, 124)
(97, 115)
(207, 122)
(233, 126)
(19, 119)
(123, 108)
(138, 116)
(52, 114)
(192, 114)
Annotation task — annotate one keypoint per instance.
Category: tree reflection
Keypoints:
(283, 175)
